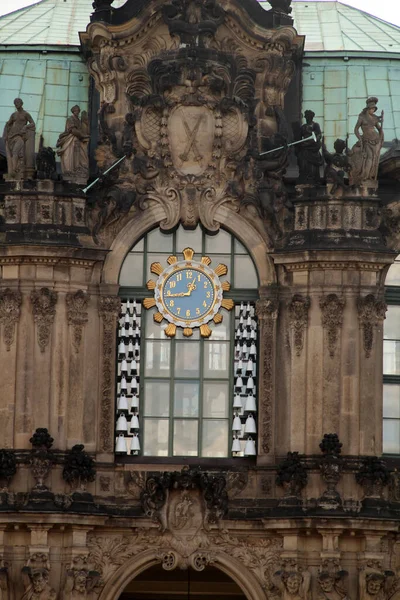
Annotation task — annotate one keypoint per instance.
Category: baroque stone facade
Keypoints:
(192, 129)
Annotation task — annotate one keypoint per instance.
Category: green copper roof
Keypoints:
(328, 26)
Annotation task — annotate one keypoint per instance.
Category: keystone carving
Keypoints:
(298, 319)
(44, 309)
(371, 313)
(77, 304)
(10, 310)
(332, 318)
(109, 309)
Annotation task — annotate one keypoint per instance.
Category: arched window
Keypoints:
(391, 363)
(187, 396)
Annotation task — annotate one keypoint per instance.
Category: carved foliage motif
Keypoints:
(332, 318)
(109, 309)
(79, 467)
(373, 476)
(10, 309)
(371, 313)
(41, 458)
(267, 314)
(298, 319)
(44, 309)
(77, 303)
(292, 476)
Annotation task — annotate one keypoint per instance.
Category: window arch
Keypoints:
(180, 396)
(391, 363)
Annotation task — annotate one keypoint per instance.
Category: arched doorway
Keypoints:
(158, 584)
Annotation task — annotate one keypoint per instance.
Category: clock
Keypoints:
(188, 294)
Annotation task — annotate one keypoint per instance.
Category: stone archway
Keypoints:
(231, 567)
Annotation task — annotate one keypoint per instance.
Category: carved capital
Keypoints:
(77, 303)
(10, 310)
(298, 319)
(109, 309)
(44, 309)
(371, 313)
(267, 308)
(332, 318)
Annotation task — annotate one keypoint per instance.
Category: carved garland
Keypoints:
(298, 318)
(267, 313)
(44, 309)
(10, 310)
(371, 313)
(77, 315)
(109, 309)
(332, 318)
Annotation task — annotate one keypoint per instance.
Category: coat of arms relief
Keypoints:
(192, 99)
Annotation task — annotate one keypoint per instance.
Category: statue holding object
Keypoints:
(308, 154)
(365, 154)
(73, 148)
(19, 137)
(337, 166)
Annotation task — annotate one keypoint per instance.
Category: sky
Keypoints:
(389, 10)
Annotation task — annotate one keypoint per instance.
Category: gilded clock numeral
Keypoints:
(199, 277)
(171, 303)
(208, 294)
(172, 284)
(188, 313)
(205, 304)
(178, 310)
(189, 274)
(205, 284)
(197, 311)
(179, 276)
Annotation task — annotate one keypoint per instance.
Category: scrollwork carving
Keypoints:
(44, 309)
(10, 310)
(77, 303)
(371, 313)
(332, 318)
(298, 319)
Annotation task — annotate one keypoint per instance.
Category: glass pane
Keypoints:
(215, 438)
(391, 436)
(392, 323)
(132, 270)
(245, 273)
(187, 359)
(216, 400)
(156, 399)
(188, 238)
(157, 241)
(155, 437)
(224, 259)
(218, 243)
(139, 246)
(391, 401)
(222, 331)
(185, 438)
(186, 399)
(154, 330)
(391, 358)
(393, 276)
(216, 359)
(239, 248)
(157, 359)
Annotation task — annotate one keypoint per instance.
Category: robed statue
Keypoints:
(19, 137)
(365, 154)
(73, 147)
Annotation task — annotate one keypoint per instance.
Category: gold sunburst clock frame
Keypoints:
(188, 277)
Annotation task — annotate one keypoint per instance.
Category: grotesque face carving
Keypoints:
(80, 582)
(39, 581)
(374, 585)
(326, 584)
(293, 583)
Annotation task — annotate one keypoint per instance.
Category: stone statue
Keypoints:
(19, 137)
(308, 153)
(364, 156)
(337, 166)
(293, 583)
(331, 581)
(79, 584)
(36, 582)
(4, 587)
(73, 147)
(372, 582)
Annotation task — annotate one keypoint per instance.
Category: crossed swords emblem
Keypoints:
(191, 139)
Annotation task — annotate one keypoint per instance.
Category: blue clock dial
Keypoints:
(188, 294)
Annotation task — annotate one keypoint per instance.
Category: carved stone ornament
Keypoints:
(35, 577)
(8, 468)
(44, 309)
(292, 477)
(372, 581)
(371, 313)
(79, 468)
(10, 310)
(19, 138)
(394, 486)
(332, 318)
(109, 309)
(292, 581)
(267, 314)
(41, 458)
(332, 581)
(365, 154)
(72, 147)
(4, 579)
(192, 111)
(80, 580)
(331, 466)
(77, 304)
(373, 476)
(298, 319)
(175, 499)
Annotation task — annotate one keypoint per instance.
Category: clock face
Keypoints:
(188, 294)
